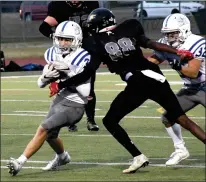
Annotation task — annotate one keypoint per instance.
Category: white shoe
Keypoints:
(177, 156)
(57, 162)
(138, 162)
(14, 166)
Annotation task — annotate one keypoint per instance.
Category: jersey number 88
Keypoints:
(117, 50)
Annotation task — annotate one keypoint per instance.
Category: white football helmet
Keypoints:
(69, 30)
(176, 28)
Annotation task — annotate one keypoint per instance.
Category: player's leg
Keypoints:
(32, 147)
(201, 95)
(167, 99)
(187, 101)
(66, 115)
(124, 103)
(90, 107)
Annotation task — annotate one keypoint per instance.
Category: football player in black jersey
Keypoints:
(118, 46)
(78, 11)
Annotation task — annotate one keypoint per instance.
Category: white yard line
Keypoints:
(96, 135)
(15, 100)
(98, 73)
(40, 90)
(128, 117)
(34, 81)
(170, 82)
(104, 164)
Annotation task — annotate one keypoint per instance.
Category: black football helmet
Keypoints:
(100, 20)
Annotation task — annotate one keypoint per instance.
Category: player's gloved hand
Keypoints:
(61, 66)
(54, 89)
(175, 64)
(185, 54)
(49, 73)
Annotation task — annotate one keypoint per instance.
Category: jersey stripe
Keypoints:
(52, 54)
(198, 47)
(82, 59)
(203, 39)
(48, 51)
(78, 55)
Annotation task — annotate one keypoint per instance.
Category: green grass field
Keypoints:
(96, 156)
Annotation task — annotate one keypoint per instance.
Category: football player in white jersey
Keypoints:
(177, 33)
(65, 59)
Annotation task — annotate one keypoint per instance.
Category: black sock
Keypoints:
(90, 107)
(122, 137)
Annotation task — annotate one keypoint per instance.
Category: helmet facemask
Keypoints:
(173, 38)
(176, 29)
(64, 45)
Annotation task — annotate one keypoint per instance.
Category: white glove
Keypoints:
(49, 73)
(62, 66)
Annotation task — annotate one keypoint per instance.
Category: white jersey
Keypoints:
(76, 61)
(195, 44)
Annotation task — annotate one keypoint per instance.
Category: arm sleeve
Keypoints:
(46, 29)
(140, 36)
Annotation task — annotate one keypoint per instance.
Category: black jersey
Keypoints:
(120, 48)
(62, 11)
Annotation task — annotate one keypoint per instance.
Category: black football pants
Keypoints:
(139, 88)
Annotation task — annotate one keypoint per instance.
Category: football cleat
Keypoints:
(138, 162)
(177, 156)
(92, 126)
(57, 162)
(14, 166)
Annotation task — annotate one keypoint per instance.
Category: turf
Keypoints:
(96, 156)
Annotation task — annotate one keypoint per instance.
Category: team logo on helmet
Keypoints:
(92, 17)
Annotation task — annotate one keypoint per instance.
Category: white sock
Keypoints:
(62, 155)
(178, 131)
(22, 159)
(176, 140)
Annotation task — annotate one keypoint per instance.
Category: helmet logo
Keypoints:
(76, 30)
(111, 19)
(92, 17)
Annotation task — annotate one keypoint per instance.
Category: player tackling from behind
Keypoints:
(177, 33)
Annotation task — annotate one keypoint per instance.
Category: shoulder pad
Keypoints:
(49, 55)
(80, 56)
(197, 46)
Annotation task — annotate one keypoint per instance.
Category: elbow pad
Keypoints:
(40, 83)
(46, 29)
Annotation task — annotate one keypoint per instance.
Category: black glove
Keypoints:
(175, 64)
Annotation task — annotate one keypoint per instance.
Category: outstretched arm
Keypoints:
(184, 54)
(82, 77)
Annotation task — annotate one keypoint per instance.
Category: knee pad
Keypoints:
(53, 134)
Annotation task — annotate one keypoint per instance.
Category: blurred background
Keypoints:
(20, 21)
